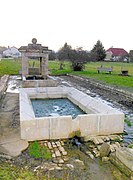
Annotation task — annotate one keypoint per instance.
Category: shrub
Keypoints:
(127, 121)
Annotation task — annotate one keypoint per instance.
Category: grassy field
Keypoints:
(8, 66)
(91, 72)
(13, 67)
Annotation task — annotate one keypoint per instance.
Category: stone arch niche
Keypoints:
(34, 51)
(35, 76)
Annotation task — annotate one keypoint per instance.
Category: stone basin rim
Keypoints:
(102, 119)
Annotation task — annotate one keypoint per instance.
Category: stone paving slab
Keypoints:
(125, 155)
(11, 144)
(3, 84)
(14, 148)
(10, 137)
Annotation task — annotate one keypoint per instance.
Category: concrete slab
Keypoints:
(12, 144)
(125, 155)
(14, 148)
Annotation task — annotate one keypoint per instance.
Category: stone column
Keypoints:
(24, 65)
(40, 65)
(45, 66)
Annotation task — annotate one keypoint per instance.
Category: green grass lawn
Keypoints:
(13, 67)
(91, 72)
(8, 66)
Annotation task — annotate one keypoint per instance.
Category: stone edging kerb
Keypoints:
(3, 85)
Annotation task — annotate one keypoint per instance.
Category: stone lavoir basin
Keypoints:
(55, 107)
(58, 119)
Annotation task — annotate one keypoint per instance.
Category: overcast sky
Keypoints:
(77, 22)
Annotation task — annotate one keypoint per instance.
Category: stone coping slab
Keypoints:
(3, 84)
(125, 155)
(100, 119)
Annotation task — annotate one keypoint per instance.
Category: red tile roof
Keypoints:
(117, 51)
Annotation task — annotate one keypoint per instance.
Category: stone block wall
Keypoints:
(100, 119)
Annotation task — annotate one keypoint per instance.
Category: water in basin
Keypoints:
(55, 107)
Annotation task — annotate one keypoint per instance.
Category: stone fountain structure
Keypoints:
(35, 76)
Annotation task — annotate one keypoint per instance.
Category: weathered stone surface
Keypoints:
(57, 153)
(53, 155)
(86, 138)
(105, 159)
(115, 146)
(65, 158)
(61, 149)
(91, 146)
(49, 145)
(81, 163)
(58, 143)
(3, 84)
(70, 166)
(117, 175)
(14, 148)
(98, 147)
(107, 138)
(104, 150)
(112, 149)
(38, 128)
(125, 155)
(5, 156)
(95, 141)
(96, 152)
(61, 161)
(89, 154)
(115, 137)
(123, 168)
(118, 144)
(55, 160)
(52, 169)
(100, 140)
(62, 143)
(54, 146)
(60, 165)
(64, 153)
(59, 168)
(45, 144)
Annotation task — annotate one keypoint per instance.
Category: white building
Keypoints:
(11, 52)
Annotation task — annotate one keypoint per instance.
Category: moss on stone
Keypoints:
(120, 165)
(75, 133)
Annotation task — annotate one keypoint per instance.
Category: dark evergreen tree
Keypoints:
(98, 52)
(131, 55)
(63, 53)
(52, 55)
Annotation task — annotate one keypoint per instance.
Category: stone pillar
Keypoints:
(45, 66)
(40, 65)
(24, 65)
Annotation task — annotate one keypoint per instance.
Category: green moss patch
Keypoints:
(38, 151)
